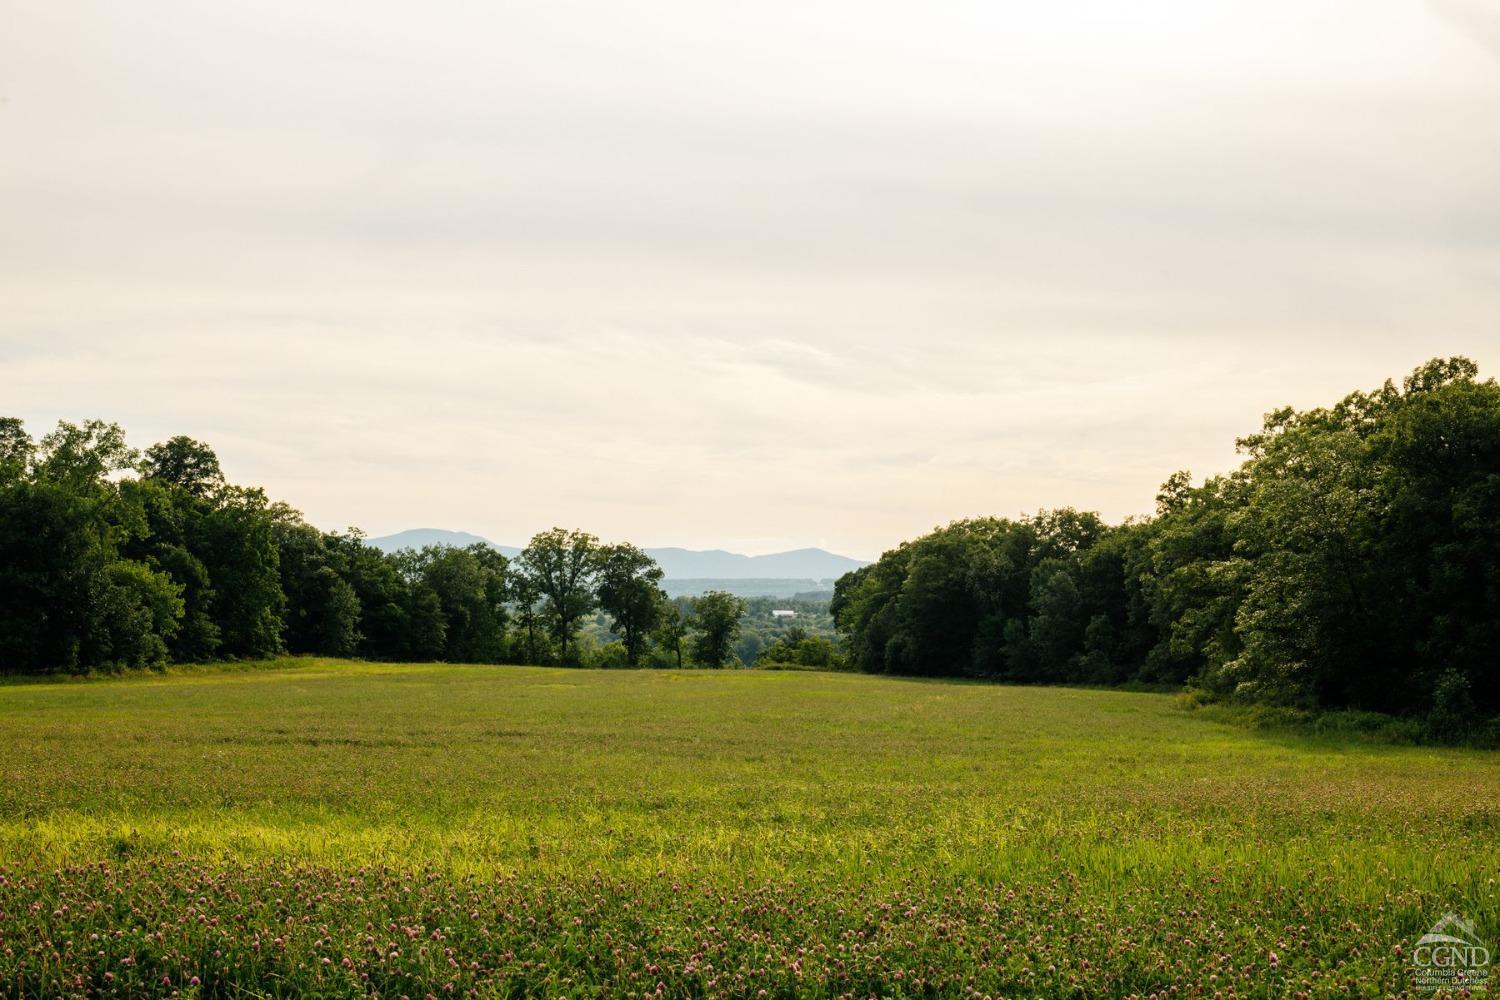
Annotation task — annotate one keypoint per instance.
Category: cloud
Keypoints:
(690, 275)
(1479, 19)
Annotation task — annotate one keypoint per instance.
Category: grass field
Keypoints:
(326, 828)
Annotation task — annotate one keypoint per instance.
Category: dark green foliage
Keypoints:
(100, 569)
(381, 592)
(456, 608)
(239, 548)
(323, 610)
(16, 448)
(1453, 713)
(71, 600)
(1351, 562)
(138, 610)
(985, 597)
(797, 648)
(531, 638)
(189, 465)
(172, 542)
(426, 632)
(563, 567)
(715, 620)
(630, 593)
(672, 628)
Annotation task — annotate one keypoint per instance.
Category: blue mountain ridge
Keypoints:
(676, 563)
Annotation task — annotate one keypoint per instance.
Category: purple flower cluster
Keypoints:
(185, 927)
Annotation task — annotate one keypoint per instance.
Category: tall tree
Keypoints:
(526, 600)
(630, 593)
(83, 455)
(173, 542)
(189, 465)
(239, 549)
(378, 588)
(470, 585)
(16, 448)
(322, 608)
(672, 625)
(70, 596)
(716, 620)
(563, 566)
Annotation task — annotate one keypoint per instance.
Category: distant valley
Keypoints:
(688, 571)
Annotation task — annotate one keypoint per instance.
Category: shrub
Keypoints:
(1196, 697)
(1453, 716)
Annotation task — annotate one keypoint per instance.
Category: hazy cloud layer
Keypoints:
(754, 276)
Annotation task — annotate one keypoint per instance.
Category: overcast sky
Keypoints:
(751, 275)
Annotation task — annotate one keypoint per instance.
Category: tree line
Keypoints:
(110, 559)
(1351, 561)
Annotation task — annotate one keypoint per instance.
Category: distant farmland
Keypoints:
(809, 590)
(332, 828)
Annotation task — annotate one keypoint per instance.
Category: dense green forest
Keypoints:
(112, 559)
(762, 637)
(1351, 561)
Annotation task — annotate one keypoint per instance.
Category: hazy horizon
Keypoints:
(783, 276)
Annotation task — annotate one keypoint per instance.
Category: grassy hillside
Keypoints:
(504, 830)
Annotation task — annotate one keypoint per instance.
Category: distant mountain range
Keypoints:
(416, 538)
(809, 565)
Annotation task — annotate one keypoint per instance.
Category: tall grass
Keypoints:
(834, 829)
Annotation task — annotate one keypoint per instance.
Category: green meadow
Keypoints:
(320, 827)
